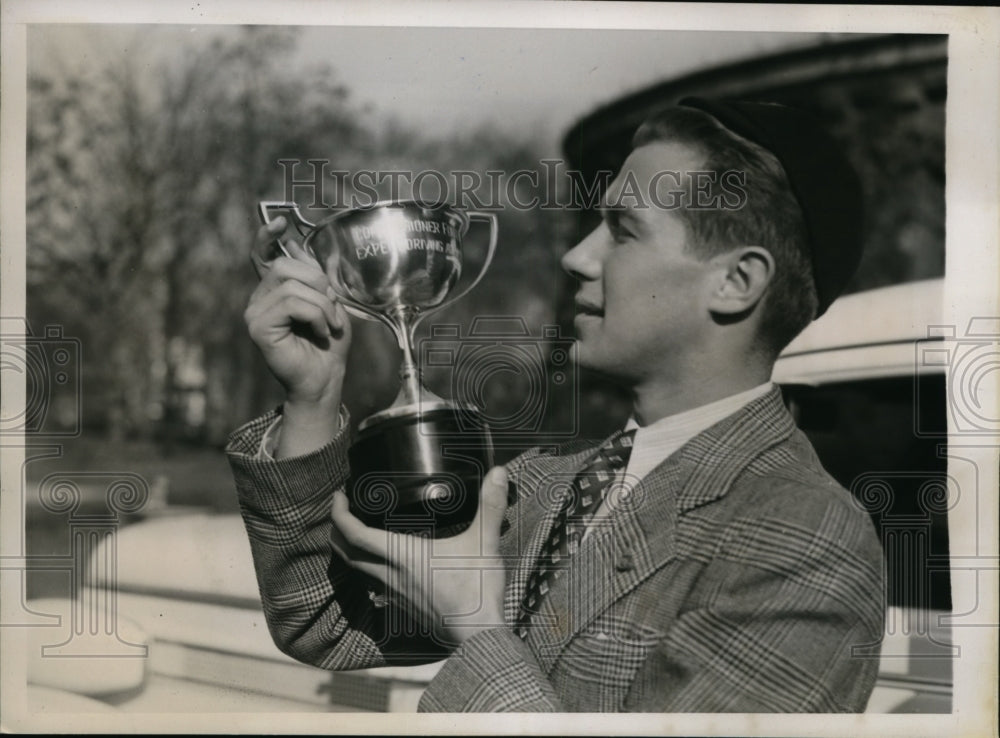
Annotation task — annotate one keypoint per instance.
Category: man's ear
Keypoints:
(745, 274)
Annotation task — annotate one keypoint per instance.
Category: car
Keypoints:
(182, 585)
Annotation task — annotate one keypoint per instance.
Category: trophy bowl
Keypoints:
(416, 466)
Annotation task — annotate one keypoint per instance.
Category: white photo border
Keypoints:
(972, 197)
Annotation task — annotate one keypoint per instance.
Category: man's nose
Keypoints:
(583, 261)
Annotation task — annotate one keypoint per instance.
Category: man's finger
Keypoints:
(358, 560)
(285, 267)
(302, 310)
(267, 245)
(357, 534)
(299, 252)
(322, 301)
(285, 271)
(493, 505)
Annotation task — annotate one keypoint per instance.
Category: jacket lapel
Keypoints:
(547, 478)
(636, 540)
(641, 535)
(716, 457)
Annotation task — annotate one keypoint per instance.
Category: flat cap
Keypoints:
(823, 181)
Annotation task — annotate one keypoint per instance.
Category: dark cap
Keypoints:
(823, 181)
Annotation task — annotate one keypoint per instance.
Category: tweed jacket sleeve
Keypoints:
(318, 609)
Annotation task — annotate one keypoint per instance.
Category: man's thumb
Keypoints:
(493, 500)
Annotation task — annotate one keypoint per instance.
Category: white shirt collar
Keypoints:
(655, 442)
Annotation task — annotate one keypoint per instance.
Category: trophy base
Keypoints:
(420, 472)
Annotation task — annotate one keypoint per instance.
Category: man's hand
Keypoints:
(456, 583)
(304, 334)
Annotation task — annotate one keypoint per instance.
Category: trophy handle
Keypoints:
(490, 253)
(262, 256)
(302, 225)
(267, 210)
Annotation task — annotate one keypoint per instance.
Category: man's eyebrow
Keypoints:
(621, 214)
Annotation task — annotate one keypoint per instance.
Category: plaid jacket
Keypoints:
(736, 577)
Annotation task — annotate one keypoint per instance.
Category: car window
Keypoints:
(885, 441)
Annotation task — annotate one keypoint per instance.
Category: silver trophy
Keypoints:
(416, 466)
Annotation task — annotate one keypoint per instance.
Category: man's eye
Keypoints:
(621, 234)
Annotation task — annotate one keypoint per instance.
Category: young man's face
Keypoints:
(642, 303)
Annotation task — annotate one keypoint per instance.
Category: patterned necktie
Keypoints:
(586, 495)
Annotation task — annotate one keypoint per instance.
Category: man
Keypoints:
(701, 560)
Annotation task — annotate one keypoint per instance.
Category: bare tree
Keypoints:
(143, 185)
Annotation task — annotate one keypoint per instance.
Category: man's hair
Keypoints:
(770, 217)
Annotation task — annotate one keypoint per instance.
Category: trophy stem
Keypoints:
(409, 372)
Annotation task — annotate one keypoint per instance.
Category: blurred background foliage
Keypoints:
(143, 186)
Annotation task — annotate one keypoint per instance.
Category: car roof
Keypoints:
(871, 334)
